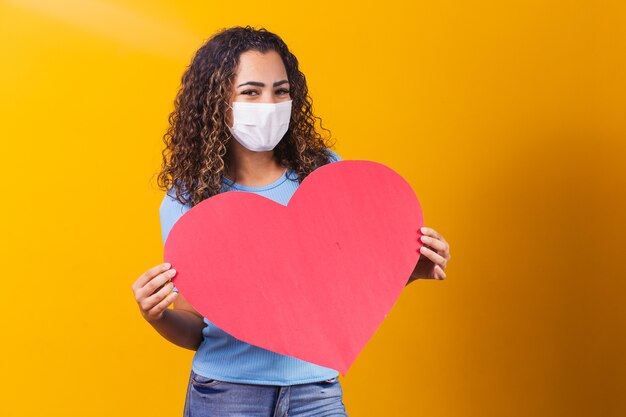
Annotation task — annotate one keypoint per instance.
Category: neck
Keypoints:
(251, 168)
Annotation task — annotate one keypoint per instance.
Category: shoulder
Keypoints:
(333, 156)
(170, 211)
(170, 206)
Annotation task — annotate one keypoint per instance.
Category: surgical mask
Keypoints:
(260, 126)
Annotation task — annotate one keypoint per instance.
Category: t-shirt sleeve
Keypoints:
(170, 211)
(333, 156)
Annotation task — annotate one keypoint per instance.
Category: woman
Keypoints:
(242, 121)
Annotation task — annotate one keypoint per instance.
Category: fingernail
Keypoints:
(167, 264)
(423, 238)
(423, 229)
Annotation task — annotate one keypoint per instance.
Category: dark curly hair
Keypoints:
(196, 154)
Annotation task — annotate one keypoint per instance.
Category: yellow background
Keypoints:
(506, 117)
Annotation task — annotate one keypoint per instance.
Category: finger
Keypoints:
(439, 273)
(157, 282)
(429, 231)
(151, 273)
(433, 256)
(440, 248)
(438, 245)
(163, 304)
(150, 302)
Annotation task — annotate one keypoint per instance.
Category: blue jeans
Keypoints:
(210, 397)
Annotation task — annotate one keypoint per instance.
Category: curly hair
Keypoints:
(196, 152)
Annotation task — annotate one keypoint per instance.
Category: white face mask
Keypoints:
(260, 126)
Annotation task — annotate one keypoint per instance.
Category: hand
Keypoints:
(434, 255)
(153, 291)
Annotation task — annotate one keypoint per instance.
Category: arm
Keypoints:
(181, 325)
(153, 292)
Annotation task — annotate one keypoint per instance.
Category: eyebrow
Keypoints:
(258, 84)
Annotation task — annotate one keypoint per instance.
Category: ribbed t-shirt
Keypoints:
(223, 357)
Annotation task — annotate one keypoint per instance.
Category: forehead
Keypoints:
(259, 66)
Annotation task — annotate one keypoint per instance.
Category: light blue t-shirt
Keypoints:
(222, 356)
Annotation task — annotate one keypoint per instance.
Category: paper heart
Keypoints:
(313, 279)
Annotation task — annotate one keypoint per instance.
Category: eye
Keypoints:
(282, 91)
(248, 91)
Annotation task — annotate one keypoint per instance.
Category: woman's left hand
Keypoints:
(434, 256)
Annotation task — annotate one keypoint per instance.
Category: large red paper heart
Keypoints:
(313, 279)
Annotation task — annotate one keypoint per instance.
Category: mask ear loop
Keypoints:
(233, 115)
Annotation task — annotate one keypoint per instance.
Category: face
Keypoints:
(260, 78)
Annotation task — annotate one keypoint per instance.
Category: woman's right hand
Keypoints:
(153, 291)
